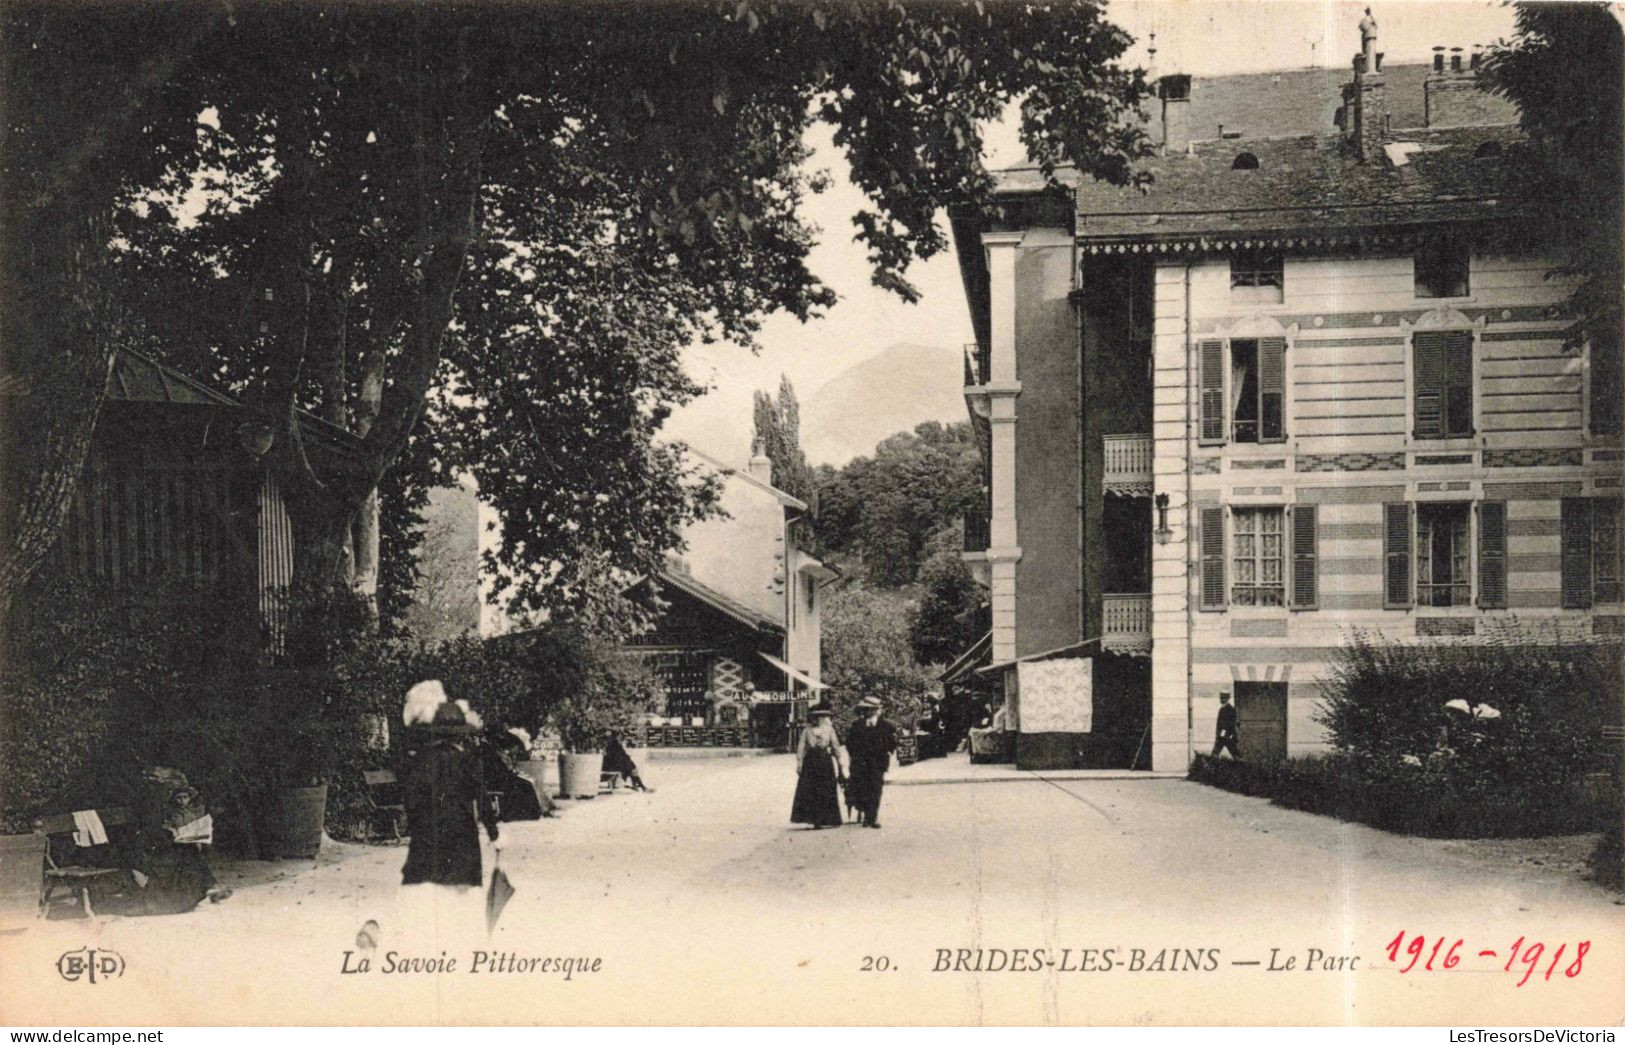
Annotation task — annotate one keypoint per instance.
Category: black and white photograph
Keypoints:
(812, 513)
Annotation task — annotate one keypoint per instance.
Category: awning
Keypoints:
(1049, 654)
(967, 661)
(791, 672)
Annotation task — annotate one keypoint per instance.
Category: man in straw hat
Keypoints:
(869, 746)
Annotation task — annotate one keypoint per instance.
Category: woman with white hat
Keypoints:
(442, 788)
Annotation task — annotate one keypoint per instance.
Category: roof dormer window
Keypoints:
(1245, 161)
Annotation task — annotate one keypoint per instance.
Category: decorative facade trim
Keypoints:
(1352, 462)
(1205, 466)
(1535, 457)
(1437, 626)
(1247, 464)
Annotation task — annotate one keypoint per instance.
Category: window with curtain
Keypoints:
(1257, 383)
(1443, 555)
(1258, 558)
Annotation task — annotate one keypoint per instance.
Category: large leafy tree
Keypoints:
(1564, 68)
(885, 510)
(508, 216)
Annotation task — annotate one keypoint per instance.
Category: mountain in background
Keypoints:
(887, 393)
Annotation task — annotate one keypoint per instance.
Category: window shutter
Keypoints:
(1492, 555)
(1212, 558)
(1305, 557)
(1272, 389)
(1397, 548)
(1458, 375)
(1576, 531)
(1605, 381)
(1211, 366)
(1427, 351)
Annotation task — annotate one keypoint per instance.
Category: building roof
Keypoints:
(720, 602)
(1307, 176)
(1296, 102)
(744, 476)
(138, 378)
(1310, 182)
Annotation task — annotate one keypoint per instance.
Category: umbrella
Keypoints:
(497, 897)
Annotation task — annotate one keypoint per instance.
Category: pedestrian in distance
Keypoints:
(442, 783)
(820, 768)
(616, 760)
(1226, 737)
(870, 742)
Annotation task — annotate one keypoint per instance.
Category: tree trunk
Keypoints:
(366, 550)
(48, 429)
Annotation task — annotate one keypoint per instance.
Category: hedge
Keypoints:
(1406, 799)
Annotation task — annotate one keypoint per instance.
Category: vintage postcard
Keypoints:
(811, 512)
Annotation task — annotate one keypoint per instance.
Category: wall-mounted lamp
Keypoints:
(1163, 533)
(255, 437)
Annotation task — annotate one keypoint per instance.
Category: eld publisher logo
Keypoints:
(91, 965)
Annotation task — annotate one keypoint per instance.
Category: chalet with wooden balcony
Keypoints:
(1314, 377)
(738, 647)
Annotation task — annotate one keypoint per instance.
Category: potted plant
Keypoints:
(613, 694)
(584, 721)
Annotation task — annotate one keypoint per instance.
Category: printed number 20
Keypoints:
(877, 963)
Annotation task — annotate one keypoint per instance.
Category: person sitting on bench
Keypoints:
(502, 751)
(617, 761)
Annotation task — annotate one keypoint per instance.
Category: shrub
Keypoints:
(1552, 689)
(1427, 800)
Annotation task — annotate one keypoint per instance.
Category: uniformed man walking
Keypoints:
(869, 746)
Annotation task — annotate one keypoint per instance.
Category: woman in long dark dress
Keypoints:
(443, 790)
(820, 765)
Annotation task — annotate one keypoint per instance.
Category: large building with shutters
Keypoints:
(1312, 378)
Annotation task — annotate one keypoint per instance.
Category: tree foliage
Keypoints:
(777, 433)
(866, 653)
(1564, 68)
(944, 622)
(884, 510)
(513, 216)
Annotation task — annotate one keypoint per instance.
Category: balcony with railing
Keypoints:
(1126, 624)
(1127, 471)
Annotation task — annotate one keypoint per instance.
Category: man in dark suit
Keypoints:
(1225, 739)
(869, 746)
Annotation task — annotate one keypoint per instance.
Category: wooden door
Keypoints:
(1261, 720)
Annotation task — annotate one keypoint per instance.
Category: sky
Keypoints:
(1200, 37)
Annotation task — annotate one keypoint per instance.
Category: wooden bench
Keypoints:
(385, 797)
(73, 877)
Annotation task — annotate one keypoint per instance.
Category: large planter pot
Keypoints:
(22, 875)
(578, 774)
(293, 823)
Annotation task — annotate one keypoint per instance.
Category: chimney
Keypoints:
(761, 466)
(1175, 92)
(1366, 98)
(1451, 96)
